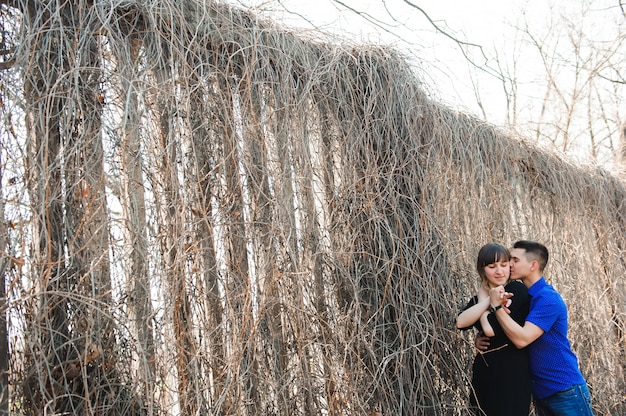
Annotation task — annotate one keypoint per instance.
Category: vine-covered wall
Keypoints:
(206, 213)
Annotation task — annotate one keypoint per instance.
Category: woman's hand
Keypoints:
(499, 296)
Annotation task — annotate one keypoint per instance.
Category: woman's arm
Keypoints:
(471, 315)
(484, 322)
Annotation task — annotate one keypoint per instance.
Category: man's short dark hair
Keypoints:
(536, 250)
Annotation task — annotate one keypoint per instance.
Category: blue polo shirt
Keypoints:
(553, 364)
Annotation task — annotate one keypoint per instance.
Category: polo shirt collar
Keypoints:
(537, 286)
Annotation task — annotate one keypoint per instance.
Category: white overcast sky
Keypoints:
(489, 23)
(441, 63)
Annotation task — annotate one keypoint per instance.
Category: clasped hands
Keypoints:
(499, 296)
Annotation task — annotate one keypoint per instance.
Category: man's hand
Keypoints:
(498, 296)
(482, 342)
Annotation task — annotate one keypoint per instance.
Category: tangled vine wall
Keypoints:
(204, 213)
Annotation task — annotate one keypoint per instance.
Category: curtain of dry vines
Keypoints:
(206, 214)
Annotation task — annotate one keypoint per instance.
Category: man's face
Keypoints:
(520, 266)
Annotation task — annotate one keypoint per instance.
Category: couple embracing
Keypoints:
(527, 350)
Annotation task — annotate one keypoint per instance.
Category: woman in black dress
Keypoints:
(500, 378)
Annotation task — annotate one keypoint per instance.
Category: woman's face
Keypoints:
(497, 273)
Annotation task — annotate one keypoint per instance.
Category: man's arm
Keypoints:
(521, 336)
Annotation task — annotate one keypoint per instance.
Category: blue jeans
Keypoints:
(575, 401)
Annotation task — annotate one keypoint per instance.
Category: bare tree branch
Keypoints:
(462, 44)
(7, 64)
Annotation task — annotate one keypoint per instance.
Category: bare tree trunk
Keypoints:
(49, 323)
(87, 228)
(46, 378)
(272, 348)
(5, 263)
(285, 194)
(238, 283)
(134, 211)
(310, 167)
(172, 229)
(204, 153)
(74, 320)
(621, 154)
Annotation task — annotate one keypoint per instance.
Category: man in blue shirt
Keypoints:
(558, 386)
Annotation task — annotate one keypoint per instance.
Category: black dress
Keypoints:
(500, 378)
